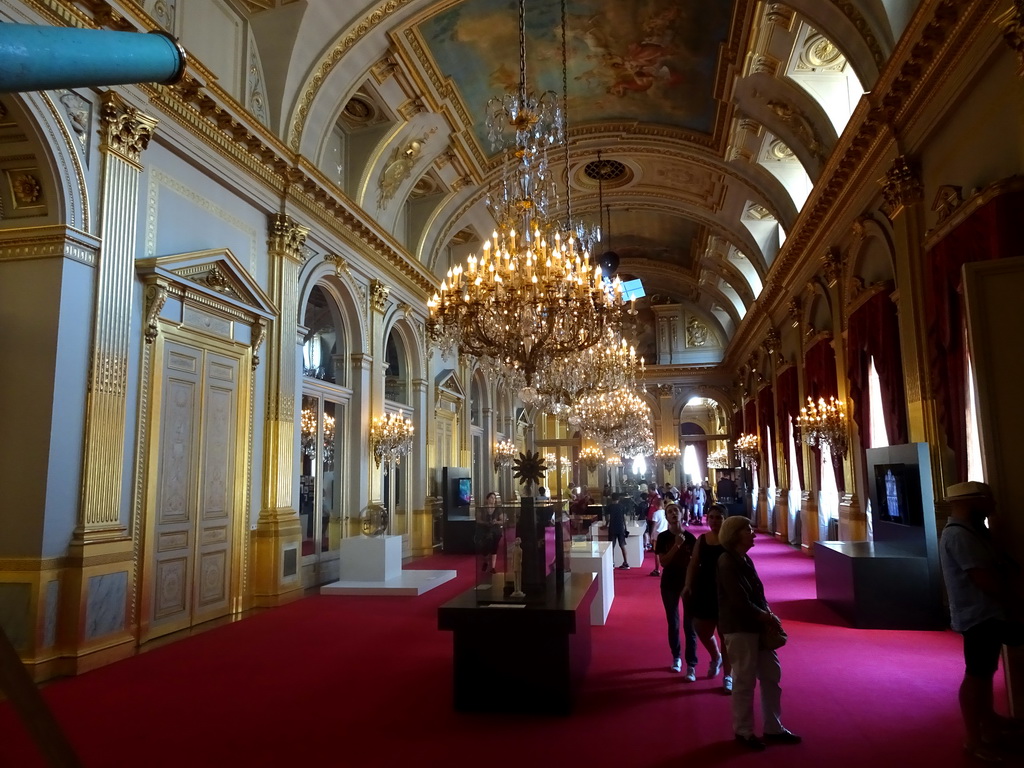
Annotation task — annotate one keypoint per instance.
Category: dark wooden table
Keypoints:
(520, 655)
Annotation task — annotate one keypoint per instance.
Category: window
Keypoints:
(879, 438)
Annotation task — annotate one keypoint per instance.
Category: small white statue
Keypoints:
(517, 568)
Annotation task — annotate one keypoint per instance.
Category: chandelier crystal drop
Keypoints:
(824, 425)
(390, 439)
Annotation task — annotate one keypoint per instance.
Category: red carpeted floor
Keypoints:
(366, 681)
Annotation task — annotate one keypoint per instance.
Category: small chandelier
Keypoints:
(309, 435)
(390, 439)
(618, 420)
(668, 455)
(553, 463)
(504, 453)
(718, 459)
(824, 425)
(591, 456)
(747, 447)
(612, 460)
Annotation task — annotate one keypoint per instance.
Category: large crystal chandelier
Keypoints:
(390, 439)
(824, 425)
(619, 421)
(531, 297)
(309, 435)
(605, 367)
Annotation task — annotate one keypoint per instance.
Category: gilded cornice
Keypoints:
(349, 38)
(855, 17)
(28, 243)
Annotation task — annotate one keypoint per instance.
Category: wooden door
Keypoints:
(193, 507)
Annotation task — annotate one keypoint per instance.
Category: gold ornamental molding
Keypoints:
(287, 237)
(901, 187)
(31, 564)
(324, 67)
(48, 242)
(1011, 24)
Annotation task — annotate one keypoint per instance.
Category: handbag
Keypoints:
(772, 636)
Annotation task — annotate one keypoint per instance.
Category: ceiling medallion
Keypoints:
(779, 150)
(821, 52)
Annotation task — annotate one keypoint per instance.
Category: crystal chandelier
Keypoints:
(309, 435)
(824, 425)
(612, 460)
(619, 421)
(604, 367)
(668, 455)
(552, 462)
(390, 439)
(504, 453)
(747, 449)
(718, 459)
(531, 297)
(591, 456)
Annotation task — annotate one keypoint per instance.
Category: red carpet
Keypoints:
(366, 681)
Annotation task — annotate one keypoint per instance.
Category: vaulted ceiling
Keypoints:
(718, 117)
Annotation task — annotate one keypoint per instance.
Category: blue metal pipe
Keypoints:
(37, 58)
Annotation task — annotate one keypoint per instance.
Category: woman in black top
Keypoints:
(701, 595)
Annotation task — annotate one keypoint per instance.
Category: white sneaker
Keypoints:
(714, 667)
(727, 684)
(677, 665)
(691, 674)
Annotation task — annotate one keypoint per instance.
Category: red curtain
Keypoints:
(821, 381)
(788, 385)
(766, 404)
(991, 232)
(750, 417)
(873, 332)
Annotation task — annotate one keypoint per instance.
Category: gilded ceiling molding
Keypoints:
(853, 14)
(1012, 25)
(323, 69)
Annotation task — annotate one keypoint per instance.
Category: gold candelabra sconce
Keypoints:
(823, 425)
(390, 439)
(591, 456)
(504, 454)
(668, 455)
(747, 448)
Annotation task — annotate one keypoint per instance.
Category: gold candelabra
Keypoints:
(824, 425)
(390, 439)
(504, 453)
(668, 455)
(747, 448)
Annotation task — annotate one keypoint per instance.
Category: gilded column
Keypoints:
(423, 512)
(94, 625)
(278, 536)
(125, 134)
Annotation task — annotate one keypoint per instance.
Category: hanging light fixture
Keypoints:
(504, 453)
(390, 439)
(718, 459)
(591, 456)
(619, 421)
(668, 455)
(532, 296)
(824, 425)
(747, 447)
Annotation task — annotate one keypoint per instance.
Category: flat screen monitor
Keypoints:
(462, 491)
(898, 490)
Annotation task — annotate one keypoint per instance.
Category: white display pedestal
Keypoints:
(372, 565)
(634, 543)
(596, 557)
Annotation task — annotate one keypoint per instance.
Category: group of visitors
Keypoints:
(721, 594)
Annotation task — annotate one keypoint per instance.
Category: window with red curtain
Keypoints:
(788, 385)
(991, 232)
(873, 332)
(821, 381)
(766, 404)
(700, 447)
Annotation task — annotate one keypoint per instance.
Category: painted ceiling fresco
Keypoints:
(650, 61)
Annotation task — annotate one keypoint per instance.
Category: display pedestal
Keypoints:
(517, 656)
(372, 565)
(596, 557)
(634, 543)
(875, 586)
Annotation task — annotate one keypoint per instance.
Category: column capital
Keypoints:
(125, 130)
(901, 187)
(286, 237)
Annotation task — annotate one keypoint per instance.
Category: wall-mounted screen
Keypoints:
(461, 491)
(898, 490)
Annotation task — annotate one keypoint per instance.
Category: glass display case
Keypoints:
(530, 536)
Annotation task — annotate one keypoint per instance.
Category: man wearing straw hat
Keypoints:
(979, 589)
